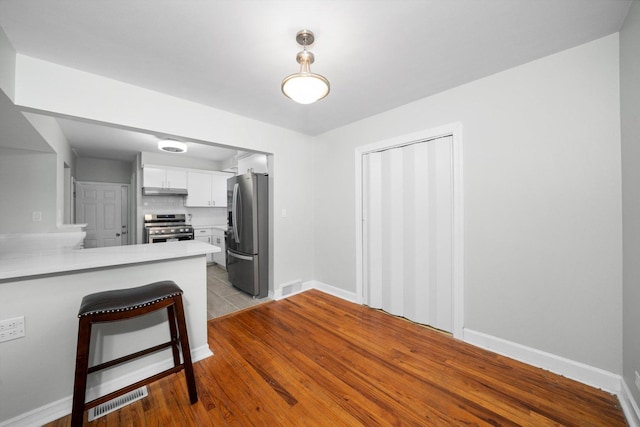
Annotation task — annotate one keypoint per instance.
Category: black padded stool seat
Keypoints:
(109, 306)
(128, 299)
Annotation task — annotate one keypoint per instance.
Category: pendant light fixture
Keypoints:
(305, 87)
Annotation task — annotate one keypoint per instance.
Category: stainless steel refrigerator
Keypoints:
(248, 233)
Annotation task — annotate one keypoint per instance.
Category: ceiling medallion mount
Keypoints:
(305, 87)
(305, 38)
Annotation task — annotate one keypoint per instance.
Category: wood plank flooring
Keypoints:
(316, 360)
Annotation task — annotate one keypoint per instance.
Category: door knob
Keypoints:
(117, 234)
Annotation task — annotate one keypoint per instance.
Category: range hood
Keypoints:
(161, 191)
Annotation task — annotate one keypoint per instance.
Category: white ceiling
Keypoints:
(104, 142)
(232, 55)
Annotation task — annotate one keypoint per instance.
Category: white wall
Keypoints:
(630, 112)
(541, 146)
(48, 87)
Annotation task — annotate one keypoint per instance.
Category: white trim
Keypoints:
(629, 405)
(455, 130)
(315, 284)
(277, 294)
(586, 374)
(578, 371)
(332, 290)
(60, 408)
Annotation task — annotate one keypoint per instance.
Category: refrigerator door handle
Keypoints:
(234, 212)
(244, 257)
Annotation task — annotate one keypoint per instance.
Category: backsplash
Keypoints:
(175, 204)
(163, 204)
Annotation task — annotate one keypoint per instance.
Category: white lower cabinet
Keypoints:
(205, 234)
(213, 236)
(220, 258)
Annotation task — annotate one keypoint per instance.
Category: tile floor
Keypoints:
(222, 298)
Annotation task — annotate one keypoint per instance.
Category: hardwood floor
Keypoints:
(315, 360)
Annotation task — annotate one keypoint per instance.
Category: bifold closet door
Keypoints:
(408, 231)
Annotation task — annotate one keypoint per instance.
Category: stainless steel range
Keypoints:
(160, 228)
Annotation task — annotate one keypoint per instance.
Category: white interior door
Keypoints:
(100, 207)
(408, 231)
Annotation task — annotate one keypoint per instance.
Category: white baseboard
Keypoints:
(300, 287)
(578, 371)
(291, 288)
(332, 290)
(62, 407)
(629, 406)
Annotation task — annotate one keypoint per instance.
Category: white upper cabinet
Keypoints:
(206, 189)
(198, 189)
(164, 177)
(176, 178)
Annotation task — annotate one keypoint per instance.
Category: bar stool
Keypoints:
(110, 306)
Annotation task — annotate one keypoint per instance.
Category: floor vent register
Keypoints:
(117, 403)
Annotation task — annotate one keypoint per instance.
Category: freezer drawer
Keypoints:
(247, 274)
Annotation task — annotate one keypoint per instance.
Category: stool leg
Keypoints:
(171, 315)
(82, 369)
(186, 352)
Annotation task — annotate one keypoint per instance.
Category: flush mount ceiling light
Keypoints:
(172, 146)
(305, 87)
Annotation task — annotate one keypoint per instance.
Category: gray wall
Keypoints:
(542, 191)
(27, 185)
(630, 120)
(102, 170)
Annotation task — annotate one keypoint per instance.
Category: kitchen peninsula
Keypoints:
(46, 287)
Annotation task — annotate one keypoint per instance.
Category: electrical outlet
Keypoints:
(637, 380)
(11, 329)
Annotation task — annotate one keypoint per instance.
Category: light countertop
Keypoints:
(15, 265)
(222, 227)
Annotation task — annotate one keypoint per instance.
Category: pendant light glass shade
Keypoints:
(305, 87)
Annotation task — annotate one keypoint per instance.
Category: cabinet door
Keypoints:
(219, 190)
(154, 177)
(217, 239)
(199, 189)
(206, 239)
(176, 178)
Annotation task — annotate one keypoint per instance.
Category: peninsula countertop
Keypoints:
(14, 265)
